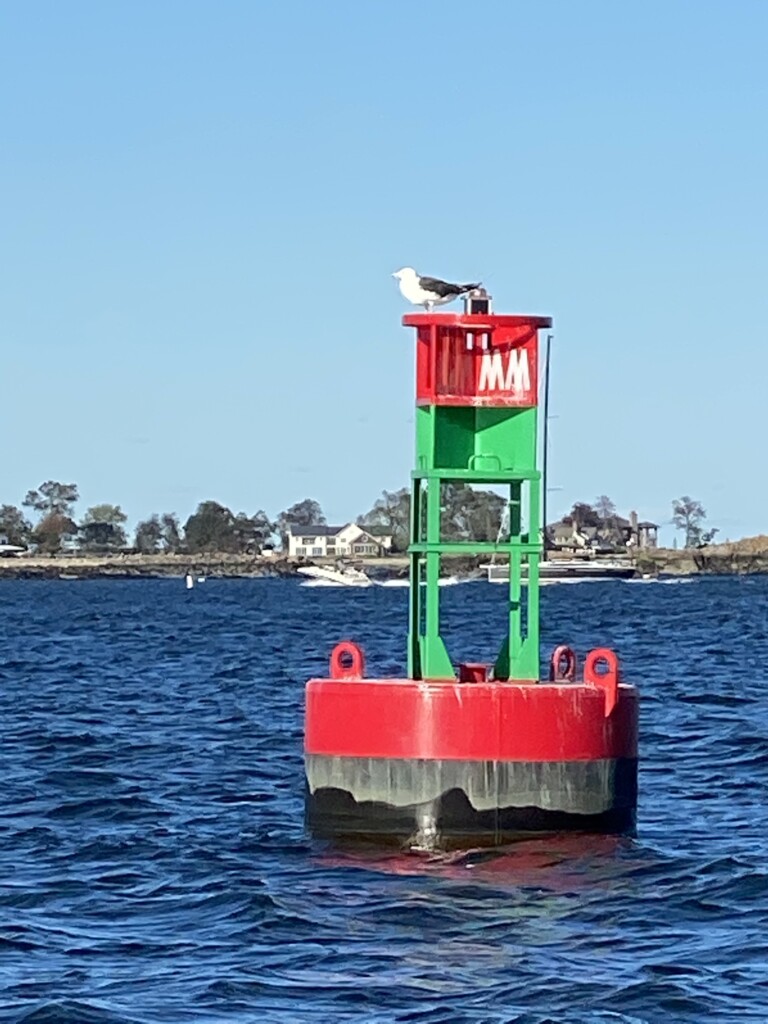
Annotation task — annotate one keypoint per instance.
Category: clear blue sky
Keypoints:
(201, 205)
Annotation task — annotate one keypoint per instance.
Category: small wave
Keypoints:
(72, 1012)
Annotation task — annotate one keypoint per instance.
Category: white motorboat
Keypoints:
(319, 576)
(11, 550)
(322, 577)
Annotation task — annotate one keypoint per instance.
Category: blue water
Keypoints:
(154, 867)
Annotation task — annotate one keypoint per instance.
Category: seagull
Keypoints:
(429, 291)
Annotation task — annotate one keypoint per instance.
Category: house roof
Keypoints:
(322, 530)
(375, 531)
(316, 530)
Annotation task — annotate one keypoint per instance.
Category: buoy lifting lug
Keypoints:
(347, 661)
(608, 681)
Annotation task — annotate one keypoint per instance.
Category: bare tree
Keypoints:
(689, 515)
(51, 531)
(605, 508)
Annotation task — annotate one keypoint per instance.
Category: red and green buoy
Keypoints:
(469, 754)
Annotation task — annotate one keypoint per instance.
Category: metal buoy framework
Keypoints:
(472, 753)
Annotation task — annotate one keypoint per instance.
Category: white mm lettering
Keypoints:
(493, 378)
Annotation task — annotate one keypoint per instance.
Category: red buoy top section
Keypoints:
(476, 359)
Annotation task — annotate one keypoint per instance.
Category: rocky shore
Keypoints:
(738, 558)
(143, 566)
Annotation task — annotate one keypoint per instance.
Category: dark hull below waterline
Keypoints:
(333, 814)
(448, 818)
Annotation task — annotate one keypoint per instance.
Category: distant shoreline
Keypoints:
(208, 564)
(744, 557)
(144, 566)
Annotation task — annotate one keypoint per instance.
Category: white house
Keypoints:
(336, 542)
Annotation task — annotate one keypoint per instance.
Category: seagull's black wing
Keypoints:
(444, 288)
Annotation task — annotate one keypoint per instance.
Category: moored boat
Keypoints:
(571, 569)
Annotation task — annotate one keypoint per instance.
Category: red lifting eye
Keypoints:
(562, 666)
(347, 661)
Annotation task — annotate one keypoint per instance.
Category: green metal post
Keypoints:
(415, 579)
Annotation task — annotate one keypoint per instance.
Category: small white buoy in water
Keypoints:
(190, 581)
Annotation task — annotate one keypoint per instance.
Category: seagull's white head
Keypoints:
(405, 274)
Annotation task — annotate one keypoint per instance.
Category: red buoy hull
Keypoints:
(468, 762)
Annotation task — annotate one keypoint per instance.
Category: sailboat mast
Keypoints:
(545, 443)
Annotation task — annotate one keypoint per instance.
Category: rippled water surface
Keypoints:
(154, 867)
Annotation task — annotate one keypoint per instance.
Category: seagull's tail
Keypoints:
(469, 287)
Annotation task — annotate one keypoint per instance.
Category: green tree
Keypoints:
(582, 515)
(105, 514)
(304, 513)
(252, 532)
(390, 514)
(688, 515)
(14, 526)
(263, 528)
(171, 536)
(485, 514)
(51, 530)
(103, 526)
(149, 535)
(158, 531)
(469, 514)
(211, 528)
(52, 497)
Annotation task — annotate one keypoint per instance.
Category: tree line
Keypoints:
(688, 516)
(49, 525)
(46, 519)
